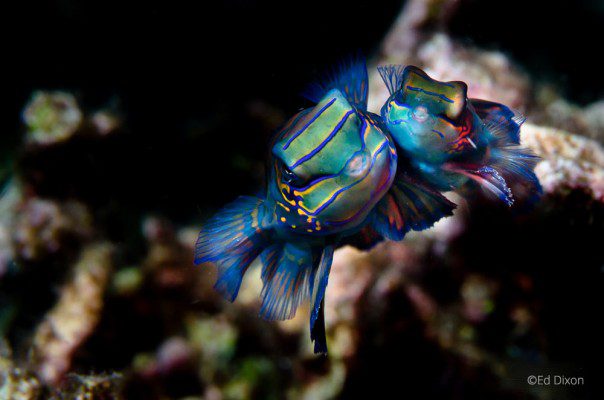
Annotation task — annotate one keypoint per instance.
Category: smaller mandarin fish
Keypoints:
(452, 140)
(331, 170)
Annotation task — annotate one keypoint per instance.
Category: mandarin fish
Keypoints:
(453, 141)
(330, 175)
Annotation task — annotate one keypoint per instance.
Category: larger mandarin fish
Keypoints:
(331, 169)
(454, 141)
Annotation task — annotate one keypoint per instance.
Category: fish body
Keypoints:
(452, 140)
(328, 168)
(331, 181)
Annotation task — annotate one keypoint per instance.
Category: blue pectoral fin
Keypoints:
(232, 239)
(350, 78)
(410, 205)
(319, 279)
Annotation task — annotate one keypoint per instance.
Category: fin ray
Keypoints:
(285, 281)
(499, 117)
(318, 285)
(350, 78)
(392, 75)
(232, 239)
(410, 205)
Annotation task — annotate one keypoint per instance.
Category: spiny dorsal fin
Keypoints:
(499, 119)
(349, 77)
(392, 75)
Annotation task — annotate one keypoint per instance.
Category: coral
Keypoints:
(552, 109)
(76, 314)
(17, 383)
(569, 161)
(51, 117)
(55, 117)
(466, 309)
(93, 387)
(9, 199)
(40, 226)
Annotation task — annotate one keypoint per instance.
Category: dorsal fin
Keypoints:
(499, 117)
(392, 75)
(349, 77)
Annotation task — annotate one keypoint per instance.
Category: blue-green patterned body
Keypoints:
(331, 166)
(330, 182)
(451, 139)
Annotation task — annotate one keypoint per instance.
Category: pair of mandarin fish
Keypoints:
(339, 174)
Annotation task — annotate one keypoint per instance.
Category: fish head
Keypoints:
(423, 114)
(331, 165)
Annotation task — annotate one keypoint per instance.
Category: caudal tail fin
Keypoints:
(232, 239)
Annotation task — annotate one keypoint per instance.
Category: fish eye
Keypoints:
(420, 114)
(358, 164)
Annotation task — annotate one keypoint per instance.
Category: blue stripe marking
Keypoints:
(362, 131)
(324, 143)
(337, 193)
(317, 115)
(440, 96)
(363, 145)
(404, 105)
(439, 133)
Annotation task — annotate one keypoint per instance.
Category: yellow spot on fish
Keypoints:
(309, 220)
(282, 219)
(283, 206)
(294, 226)
(309, 230)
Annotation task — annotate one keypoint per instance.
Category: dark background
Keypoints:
(185, 78)
(183, 75)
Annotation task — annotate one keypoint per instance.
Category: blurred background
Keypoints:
(129, 124)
